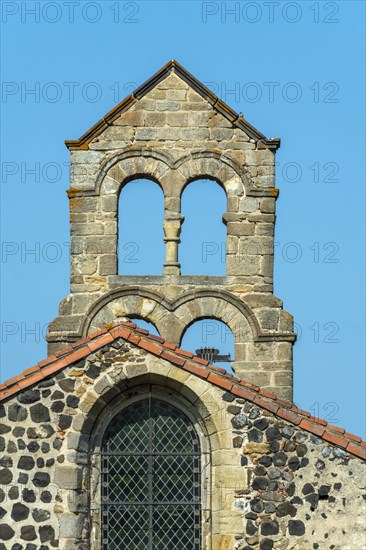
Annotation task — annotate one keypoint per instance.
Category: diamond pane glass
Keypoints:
(151, 464)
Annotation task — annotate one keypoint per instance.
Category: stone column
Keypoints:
(172, 228)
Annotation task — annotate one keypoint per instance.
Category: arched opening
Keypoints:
(203, 238)
(141, 249)
(151, 478)
(210, 333)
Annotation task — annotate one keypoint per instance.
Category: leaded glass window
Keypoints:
(151, 486)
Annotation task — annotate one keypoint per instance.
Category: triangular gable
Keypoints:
(185, 360)
(173, 67)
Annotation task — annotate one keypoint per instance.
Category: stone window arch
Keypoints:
(151, 477)
(203, 239)
(140, 249)
(209, 332)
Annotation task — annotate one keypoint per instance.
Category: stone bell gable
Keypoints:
(173, 130)
(272, 476)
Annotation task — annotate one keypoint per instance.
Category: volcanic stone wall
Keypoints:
(269, 483)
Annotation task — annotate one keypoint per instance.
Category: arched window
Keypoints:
(210, 333)
(151, 486)
(203, 238)
(141, 249)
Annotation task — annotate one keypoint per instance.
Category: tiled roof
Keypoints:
(175, 67)
(187, 361)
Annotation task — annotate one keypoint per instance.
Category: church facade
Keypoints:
(120, 439)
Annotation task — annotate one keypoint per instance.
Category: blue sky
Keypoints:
(295, 70)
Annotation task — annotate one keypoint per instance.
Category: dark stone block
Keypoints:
(6, 461)
(39, 413)
(239, 421)
(28, 495)
(269, 528)
(4, 428)
(2, 411)
(255, 435)
(261, 424)
(307, 489)
(265, 460)
(290, 446)
(324, 491)
(26, 463)
(40, 515)
(57, 444)
(17, 413)
(233, 409)
(279, 459)
(260, 484)
(46, 496)
(294, 463)
(251, 528)
(313, 499)
(28, 532)
(274, 446)
(2, 495)
(288, 431)
(41, 479)
(93, 372)
(257, 505)
(266, 544)
(11, 448)
(290, 489)
(57, 406)
(301, 450)
(67, 384)
(269, 508)
(273, 433)
(57, 395)
(46, 533)
(45, 447)
(3, 512)
(6, 532)
(23, 478)
(13, 493)
(6, 476)
(243, 461)
(46, 393)
(2, 444)
(304, 462)
(65, 421)
(33, 447)
(286, 509)
(29, 396)
(296, 527)
(254, 413)
(260, 471)
(72, 401)
(18, 431)
(46, 383)
(19, 512)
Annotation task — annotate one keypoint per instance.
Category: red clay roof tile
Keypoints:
(200, 367)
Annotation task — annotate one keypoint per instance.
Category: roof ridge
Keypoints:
(186, 360)
(172, 67)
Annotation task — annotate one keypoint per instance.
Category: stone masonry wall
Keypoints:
(272, 485)
(173, 135)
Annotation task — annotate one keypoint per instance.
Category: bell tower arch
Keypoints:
(173, 130)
